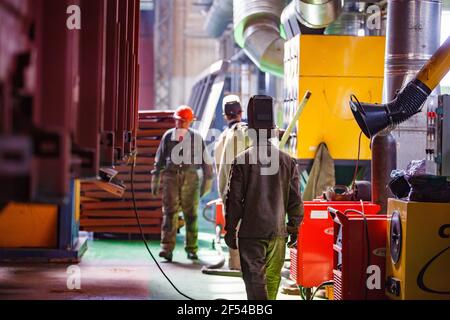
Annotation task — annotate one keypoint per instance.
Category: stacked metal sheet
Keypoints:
(102, 212)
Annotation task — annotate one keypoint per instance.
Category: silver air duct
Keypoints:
(220, 15)
(413, 30)
(350, 21)
(317, 14)
(413, 36)
(310, 16)
(257, 26)
(257, 31)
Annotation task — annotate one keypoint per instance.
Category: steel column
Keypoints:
(163, 53)
(111, 83)
(55, 111)
(92, 50)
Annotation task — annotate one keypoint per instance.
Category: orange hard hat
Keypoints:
(184, 113)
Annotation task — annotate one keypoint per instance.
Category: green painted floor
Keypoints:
(123, 270)
(113, 269)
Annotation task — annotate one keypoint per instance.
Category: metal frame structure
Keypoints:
(92, 88)
(163, 53)
(80, 114)
(201, 91)
(70, 247)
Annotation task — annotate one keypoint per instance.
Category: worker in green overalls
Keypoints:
(264, 207)
(181, 154)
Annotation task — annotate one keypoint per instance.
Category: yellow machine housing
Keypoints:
(332, 68)
(29, 226)
(32, 225)
(423, 267)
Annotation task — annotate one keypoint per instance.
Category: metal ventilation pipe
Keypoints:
(413, 36)
(413, 32)
(257, 31)
(317, 14)
(310, 16)
(350, 21)
(220, 15)
(257, 26)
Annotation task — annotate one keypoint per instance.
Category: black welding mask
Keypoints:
(260, 113)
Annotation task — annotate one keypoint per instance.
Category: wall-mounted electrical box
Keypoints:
(438, 136)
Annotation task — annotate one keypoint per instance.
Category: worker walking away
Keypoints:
(231, 142)
(181, 154)
(264, 186)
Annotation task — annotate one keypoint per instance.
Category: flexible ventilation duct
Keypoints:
(412, 37)
(220, 15)
(318, 14)
(310, 16)
(257, 31)
(257, 25)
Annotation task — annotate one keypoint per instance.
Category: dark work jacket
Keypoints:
(262, 201)
(191, 153)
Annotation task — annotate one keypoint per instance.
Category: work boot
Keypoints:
(192, 256)
(166, 255)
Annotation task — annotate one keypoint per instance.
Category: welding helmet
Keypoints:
(232, 106)
(260, 113)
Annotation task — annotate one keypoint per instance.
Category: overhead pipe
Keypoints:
(350, 21)
(257, 31)
(375, 118)
(310, 16)
(409, 101)
(436, 68)
(257, 26)
(219, 16)
(317, 14)
(413, 35)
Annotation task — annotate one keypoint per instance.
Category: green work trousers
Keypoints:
(261, 263)
(181, 193)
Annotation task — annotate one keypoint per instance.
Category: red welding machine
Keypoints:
(359, 251)
(312, 260)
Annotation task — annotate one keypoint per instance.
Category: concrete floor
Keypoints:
(123, 270)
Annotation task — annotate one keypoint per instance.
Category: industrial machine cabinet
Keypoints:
(418, 250)
(332, 67)
(438, 136)
(312, 259)
(42, 232)
(359, 256)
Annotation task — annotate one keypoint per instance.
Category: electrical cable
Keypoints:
(353, 185)
(302, 293)
(357, 162)
(144, 240)
(326, 283)
(142, 231)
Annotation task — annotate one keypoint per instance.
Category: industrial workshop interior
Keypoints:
(176, 150)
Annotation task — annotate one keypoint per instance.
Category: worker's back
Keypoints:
(232, 142)
(262, 190)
